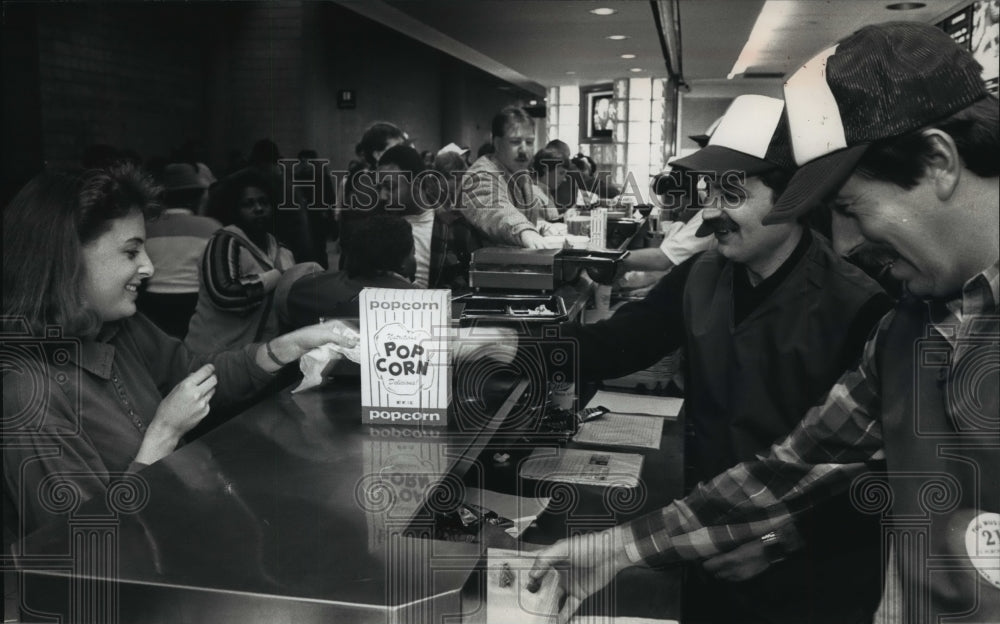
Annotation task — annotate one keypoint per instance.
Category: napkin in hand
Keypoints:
(317, 363)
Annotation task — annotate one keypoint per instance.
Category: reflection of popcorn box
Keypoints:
(405, 367)
(398, 473)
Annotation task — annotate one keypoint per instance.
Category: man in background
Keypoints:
(497, 192)
(175, 242)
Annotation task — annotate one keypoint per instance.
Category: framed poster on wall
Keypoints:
(597, 113)
(976, 28)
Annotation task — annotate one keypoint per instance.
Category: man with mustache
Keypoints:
(894, 122)
(497, 191)
(769, 320)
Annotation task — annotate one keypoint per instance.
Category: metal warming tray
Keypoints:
(503, 308)
(513, 268)
(601, 266)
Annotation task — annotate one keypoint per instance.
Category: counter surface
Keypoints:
(286, 513)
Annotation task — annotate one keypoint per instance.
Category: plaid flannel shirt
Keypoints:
(826, 451)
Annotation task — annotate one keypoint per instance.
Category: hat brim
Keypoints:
(718, 159)
(701, 139)
(813, 182)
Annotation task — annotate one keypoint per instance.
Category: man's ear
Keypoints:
(944, 165)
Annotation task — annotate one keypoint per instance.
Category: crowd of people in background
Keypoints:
(242, 249)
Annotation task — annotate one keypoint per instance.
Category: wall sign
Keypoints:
(346, 98)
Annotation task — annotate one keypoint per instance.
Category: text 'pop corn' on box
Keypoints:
(405, 364)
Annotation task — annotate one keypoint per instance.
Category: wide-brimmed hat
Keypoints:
(182, 177)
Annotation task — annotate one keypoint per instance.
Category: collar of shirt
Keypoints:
(747, 297)
(424, 216)
(96, 355)
(980, 297)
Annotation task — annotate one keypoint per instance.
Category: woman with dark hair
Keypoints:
(550, 168)
(92, 390)
(240, 268)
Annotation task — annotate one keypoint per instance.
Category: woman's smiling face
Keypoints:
(114, 265)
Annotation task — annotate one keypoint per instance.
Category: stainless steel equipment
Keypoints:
(539, 270)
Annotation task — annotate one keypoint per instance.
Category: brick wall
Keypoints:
(148, 76)
(255, 85)
(129, 76)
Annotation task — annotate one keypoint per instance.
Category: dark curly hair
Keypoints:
(224, 201)
(378, 244)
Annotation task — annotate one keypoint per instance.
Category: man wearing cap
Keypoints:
(895, 124)
(769, 321)
(497, 192)
(175, 242)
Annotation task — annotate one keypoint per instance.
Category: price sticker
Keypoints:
(982, 543)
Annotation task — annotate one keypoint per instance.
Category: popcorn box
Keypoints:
(405, 363)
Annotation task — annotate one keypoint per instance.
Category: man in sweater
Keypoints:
(497, 196)
(895, 125)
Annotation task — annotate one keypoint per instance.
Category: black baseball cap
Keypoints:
(882, 81)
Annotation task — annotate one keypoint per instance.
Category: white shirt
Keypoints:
(423, 227)
(679, 240)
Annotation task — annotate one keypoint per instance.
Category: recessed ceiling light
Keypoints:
(628, 56)
(617, 37)
(603, 11)
(571, 73)
(636, 69)
(905, 6)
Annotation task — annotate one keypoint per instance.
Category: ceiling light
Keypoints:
(617, 37)
(636, 69)
(603, 11)
(905, 6)
(571, 73)
(628, 56)
(772, 18)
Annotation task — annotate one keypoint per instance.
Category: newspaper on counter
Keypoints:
(629, 430)
(625, 403)
(587, 467)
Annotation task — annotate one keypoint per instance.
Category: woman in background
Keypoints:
(92, 390)
(550, 168)
(240, 268)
